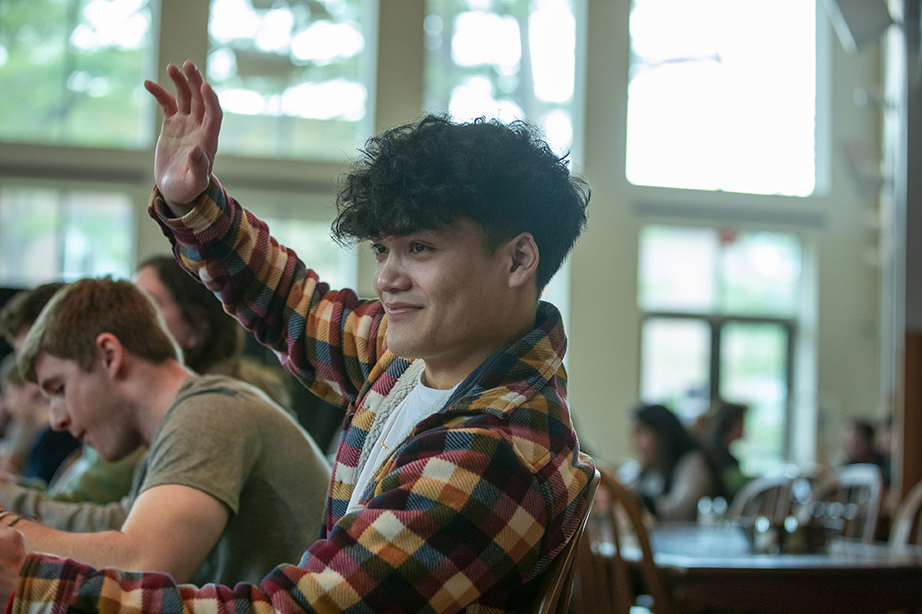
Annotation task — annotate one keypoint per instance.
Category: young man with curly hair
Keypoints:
(458, 477)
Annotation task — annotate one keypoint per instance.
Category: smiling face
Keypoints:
(87, 404)
(447, 300)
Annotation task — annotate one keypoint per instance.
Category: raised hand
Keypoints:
(188, 139)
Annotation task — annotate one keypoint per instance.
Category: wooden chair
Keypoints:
(907, 522)
(763, 496)
(847, 502)
(605, 579)
(557, 585)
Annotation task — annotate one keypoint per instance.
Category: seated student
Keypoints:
(211, 341)
(861, 447)
(458, 477)
(216, 499)
(89, 477)
(18, 433)
(675, 470)
(16, 315)
(726, 425)
(47, 449)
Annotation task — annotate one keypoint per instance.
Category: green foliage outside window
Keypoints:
(71, 72)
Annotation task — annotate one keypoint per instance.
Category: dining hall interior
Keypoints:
(753, 232)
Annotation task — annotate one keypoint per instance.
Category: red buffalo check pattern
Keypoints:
(464, 516)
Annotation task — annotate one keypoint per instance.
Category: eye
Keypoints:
(378, 250)
(53, 390)
(418, 248)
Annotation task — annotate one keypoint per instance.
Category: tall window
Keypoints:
(311, 241)
(293, 78)
(721, 312)
(722, 95)
(511, 59)
(71, 72)
(49, 234)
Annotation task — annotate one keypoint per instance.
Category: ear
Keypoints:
(524, 259)
(110, 354)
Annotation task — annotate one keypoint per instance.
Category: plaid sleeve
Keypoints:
(330, 340)
(459, 519)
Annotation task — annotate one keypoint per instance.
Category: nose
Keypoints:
(390, 275)
(57, 414)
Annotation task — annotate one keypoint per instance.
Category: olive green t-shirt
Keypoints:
(226, 439)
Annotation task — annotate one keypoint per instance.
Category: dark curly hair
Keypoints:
(503, 177)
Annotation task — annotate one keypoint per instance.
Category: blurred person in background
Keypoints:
(861, 447)
(675, 470)
(44, 450)
(725, 426)
(211, 341)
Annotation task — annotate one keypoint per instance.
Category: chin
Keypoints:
(403, 347)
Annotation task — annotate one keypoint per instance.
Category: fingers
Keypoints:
(183, 93)
(194, 78)
(166, 100)
(199, 164)
(211, 121)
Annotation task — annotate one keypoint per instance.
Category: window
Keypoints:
(293, 78)
(311, 241)
(76, 69)
(48, 234)
(511, 59)
(722, 95)
(721, 314)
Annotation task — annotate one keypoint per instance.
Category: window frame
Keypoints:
(716, 324)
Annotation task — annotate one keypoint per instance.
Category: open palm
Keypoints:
(188, 138)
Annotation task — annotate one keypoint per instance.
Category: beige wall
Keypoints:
(604, 330)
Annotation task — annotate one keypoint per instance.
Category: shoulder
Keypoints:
(693, 461)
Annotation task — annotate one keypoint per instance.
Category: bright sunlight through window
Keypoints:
(511, 60)
(722, 95)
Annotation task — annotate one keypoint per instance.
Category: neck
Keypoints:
(452, 370)
(156, 386)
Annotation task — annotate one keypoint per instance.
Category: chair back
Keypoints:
(847, 503)
(557, 584)
(907, 522)
(763, 496)
(605, 581)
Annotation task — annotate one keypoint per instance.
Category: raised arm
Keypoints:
(188, 139)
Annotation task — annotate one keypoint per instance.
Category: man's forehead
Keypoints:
(459, 228)
(48, 366)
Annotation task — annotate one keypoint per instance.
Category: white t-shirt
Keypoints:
(419, 404)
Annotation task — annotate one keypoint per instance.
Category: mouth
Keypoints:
(399, 310)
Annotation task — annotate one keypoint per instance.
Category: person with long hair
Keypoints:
(675, 470)
(211, 341)
(726, 426)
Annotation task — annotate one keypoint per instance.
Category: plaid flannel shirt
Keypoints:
(465, 515)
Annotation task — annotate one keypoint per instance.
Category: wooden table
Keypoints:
(716, 568)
